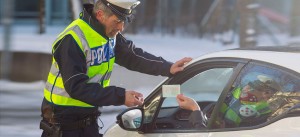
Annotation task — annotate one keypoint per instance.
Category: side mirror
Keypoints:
(131, 119)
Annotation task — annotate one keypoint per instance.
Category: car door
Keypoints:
(279, 116)
(204, 81)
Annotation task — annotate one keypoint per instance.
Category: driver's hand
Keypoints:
(133, 98)
(187, 103)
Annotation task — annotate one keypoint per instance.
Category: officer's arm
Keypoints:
(72, 65)
(136, 59)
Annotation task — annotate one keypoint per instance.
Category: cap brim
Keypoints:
(257, 85)
(123, 14)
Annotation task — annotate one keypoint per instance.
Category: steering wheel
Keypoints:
(208, 109)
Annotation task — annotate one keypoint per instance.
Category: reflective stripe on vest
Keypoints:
(99, 60)
(231, 109)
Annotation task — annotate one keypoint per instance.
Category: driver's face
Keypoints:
(267, 94)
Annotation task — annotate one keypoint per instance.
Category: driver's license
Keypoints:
(170, 90)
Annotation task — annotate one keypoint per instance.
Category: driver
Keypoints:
(243, 105)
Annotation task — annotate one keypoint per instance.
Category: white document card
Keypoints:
(170, 90)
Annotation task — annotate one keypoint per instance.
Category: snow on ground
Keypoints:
(27, 39)
(7, 85)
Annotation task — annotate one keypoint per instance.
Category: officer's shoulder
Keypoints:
(121, 37)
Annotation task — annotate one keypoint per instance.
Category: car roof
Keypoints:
(285, 56)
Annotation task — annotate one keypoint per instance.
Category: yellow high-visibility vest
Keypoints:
(99, 56)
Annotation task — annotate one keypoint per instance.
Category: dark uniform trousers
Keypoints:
(88, 131)
(64, 124)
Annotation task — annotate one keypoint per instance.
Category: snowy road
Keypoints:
(20, 103)
(20, 109)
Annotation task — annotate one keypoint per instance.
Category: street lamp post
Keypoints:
(6, 56)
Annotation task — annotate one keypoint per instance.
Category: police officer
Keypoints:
(83, 59)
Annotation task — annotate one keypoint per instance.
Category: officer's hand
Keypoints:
(178, 65)
(187, 103)
(133, 98)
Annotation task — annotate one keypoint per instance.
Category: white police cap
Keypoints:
(122, 8)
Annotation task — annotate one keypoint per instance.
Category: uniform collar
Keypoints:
(88, 16)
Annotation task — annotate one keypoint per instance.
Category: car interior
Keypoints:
(177, 118)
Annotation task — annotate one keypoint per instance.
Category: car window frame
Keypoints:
(235, 63)
(223, 96)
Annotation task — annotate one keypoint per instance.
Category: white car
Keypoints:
(210, 80)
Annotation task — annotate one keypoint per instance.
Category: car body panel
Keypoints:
(286, 127)
(117, 131)
(283, 59)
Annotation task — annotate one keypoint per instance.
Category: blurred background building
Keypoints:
(168, 16)
(227, 21)
(245, 22)
(27, 12)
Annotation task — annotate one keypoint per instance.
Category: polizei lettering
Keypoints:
(101, 54)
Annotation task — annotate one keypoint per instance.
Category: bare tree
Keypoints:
(248, 22)
(6, 56)
(295, 18)
(42, 16)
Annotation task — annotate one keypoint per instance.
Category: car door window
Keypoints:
(259, 94)
(204, 87)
